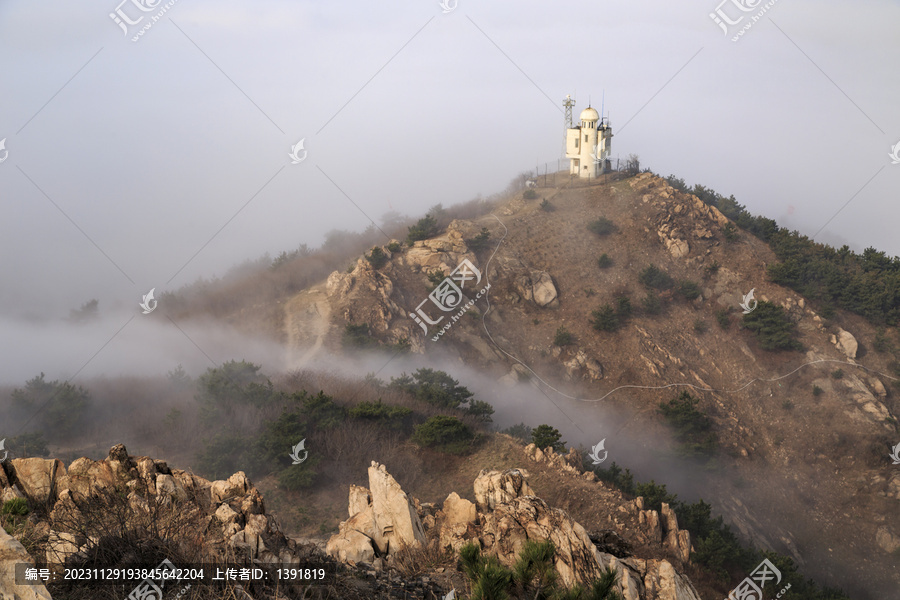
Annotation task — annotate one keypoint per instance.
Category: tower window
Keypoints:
(585, 137)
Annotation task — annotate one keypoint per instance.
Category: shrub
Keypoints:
(605, 318)
(723, 318)
(403, 346)
(357, 336)
(563, 337)
(689, 290)
(651, 303)
(425, 228)
(435, 278)
(481, 410)
(520, 431)
(219, 458)
(624, 480)
(712, 268)
(58, 407)
(392, 416)
(604, 262)
(29, 445)
(320, 410)
(623, 308)
(377, 258)
(16, 507)
(433, 387)
(700, 326)
(787, 405)
(654, 495)
(655, 278)
(530, 194)
(445, 434)
(480, 241)
(730, 232)
(817, 391)
(693, 429)
(602, 226)
(545, 436)
(394, 246)
(534, 571)
(837, 374)
(772, 327)
(546, 206)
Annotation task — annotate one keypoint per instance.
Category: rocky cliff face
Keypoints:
(505, 515)
(79, 512)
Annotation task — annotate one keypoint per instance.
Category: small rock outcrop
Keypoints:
(12, 553)
(382, 519)
(505, 515)
(493, 488)
(228, 515)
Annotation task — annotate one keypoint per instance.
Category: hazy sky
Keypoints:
(126, 159)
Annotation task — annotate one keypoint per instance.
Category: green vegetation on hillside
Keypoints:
(655, 278)
(773, 328)
(693, 429)
(717, 549)
(602, 226)
(532, 577)
(425, 228)
(377, 258)
(56, 408)
(867, 284)
(438, 388)
(544, 436)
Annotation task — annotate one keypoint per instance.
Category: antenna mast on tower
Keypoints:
(568, 103)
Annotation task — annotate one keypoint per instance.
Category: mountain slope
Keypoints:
(802, 472)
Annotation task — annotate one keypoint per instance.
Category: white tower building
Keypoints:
(588, 145)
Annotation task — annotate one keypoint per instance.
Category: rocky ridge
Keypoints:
(505, 514)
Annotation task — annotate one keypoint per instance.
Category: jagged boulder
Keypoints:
(12, 553)
(846, 343)
(493, 488)
(40, 480)
(458, 517)
(676, 540)
(651, 579)
(584, 366)
(383, 519)
(511, 524)
(543, 290)
(396, 521)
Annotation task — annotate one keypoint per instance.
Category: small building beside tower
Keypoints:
(588, 143)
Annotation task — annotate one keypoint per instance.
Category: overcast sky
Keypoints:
(148, 163)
